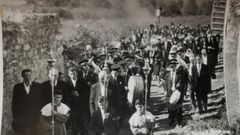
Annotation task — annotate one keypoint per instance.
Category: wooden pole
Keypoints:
(52, 73)
(145, 97)
(52, 81)
(1, 69)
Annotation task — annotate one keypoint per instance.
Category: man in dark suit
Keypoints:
(177, 79)
(103, 121)
(58, 84)
(208, 60)
(26, 105)
(203, 84)
(79, 103)
(118, 96)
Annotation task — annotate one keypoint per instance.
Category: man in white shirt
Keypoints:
(100, 88)
(26, 105)
(79, 102)
(204, 57)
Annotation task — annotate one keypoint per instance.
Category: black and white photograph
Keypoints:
(120, 67)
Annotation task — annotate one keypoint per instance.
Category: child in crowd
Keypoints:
(141, 122)
(61, 115)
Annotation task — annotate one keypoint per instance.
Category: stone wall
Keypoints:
(24, 50)
(231, 61)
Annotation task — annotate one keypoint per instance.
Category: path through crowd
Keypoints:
(158, 106)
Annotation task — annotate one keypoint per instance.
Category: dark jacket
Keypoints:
(181, 81)
(204, 80)
(79, 104)
(109, 126)
(47, 91)
(26, 107)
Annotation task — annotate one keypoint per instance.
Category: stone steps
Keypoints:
(218, 16)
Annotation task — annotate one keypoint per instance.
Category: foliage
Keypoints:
(205, 8)
(65, 14)
(171, 9)
(12, 31)
(189, 7)
(75, 46)
(26, 45)
(43, 30)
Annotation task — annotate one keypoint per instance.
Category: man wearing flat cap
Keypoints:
(117, 84)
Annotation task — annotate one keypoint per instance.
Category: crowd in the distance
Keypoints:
(107, 88)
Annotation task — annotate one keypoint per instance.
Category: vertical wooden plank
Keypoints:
(1, 70)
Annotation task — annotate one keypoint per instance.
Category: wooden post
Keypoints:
(1, 69)
(52, 73)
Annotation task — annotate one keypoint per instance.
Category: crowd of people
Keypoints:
(107, 88)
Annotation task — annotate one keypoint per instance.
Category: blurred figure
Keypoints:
(58, 84)
(61, 76)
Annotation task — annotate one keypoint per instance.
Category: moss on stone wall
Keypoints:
(27, 45)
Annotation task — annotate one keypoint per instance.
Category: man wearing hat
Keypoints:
(141, 122)
(177, 80)
(117, 84)
(86, 73)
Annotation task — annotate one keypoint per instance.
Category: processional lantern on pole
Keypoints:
(52, 71)
(146, 71)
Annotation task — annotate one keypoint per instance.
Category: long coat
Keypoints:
(26, 107)
(204, 80)
(79, 104)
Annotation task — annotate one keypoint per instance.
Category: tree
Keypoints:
(170, 8)
(205, 8)
(189, 7)
(180, 4)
